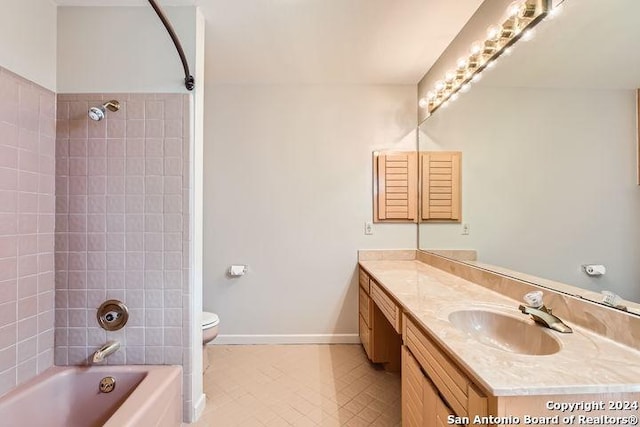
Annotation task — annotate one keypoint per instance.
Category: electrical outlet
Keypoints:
(368, 228)
(465, 229)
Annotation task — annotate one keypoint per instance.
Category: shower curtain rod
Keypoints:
(189, 81)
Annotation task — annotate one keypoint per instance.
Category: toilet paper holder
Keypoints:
(237, 270)
(594, 269)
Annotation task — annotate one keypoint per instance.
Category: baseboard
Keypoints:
(288, 339)
(198, 408)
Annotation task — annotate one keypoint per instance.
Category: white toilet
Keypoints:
(210, 323)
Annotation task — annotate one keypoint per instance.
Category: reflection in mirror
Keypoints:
(549, 139)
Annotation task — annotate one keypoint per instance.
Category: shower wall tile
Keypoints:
(27, 218)
(122, 187)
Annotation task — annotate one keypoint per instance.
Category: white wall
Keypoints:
(123, 49)
(28, 40)
(549, 182)
(287, 191)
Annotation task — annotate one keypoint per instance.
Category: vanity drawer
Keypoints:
(388, 307)
(365, 337)
(450, 381)
(366, 308)
(364, 280)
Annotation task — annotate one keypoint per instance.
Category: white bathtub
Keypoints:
(144, 396)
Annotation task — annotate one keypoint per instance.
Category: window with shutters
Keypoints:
(440, 186)
(395, 186)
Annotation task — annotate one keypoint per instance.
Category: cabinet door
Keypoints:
(395, 186)
(412, 391)
(441, 195)
(365, 337)
(442, 414)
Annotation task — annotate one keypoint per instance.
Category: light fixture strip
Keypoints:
(521, 16)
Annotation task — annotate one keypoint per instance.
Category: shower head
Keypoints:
(97, 113)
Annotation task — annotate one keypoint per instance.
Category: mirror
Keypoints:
(549, 146)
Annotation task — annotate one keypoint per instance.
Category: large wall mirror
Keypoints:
(549, 146)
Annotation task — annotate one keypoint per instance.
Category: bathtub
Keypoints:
(143, 396)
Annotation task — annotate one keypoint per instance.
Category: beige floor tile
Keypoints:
(298, 385)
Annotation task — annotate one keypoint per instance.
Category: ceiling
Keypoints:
(591, 44)
(122, 2)
(321, 41)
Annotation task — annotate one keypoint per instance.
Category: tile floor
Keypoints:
(297, 385)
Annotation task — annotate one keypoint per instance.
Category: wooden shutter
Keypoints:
(440, 172)
(395, 186)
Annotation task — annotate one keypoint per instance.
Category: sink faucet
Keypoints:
(541, 314)
(109, 348)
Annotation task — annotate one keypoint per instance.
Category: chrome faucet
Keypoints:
(106, 350)
(541, 314)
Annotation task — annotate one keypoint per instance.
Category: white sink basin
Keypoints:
(505, 332)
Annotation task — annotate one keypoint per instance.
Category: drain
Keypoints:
(107, 384)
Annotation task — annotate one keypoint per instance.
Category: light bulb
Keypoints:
(462, 63)
(476, 77)
(514, 9)
(439, 85)
(431, 96)
(508, 51)
(449, 76)
(454, 96)
(465, 88)
(491, 64)
(493, 32)
(476, 48)
(423, 103)
(445, 104)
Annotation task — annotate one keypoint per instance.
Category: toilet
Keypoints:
(210, 322)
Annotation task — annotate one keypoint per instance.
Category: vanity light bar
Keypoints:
(521, 16)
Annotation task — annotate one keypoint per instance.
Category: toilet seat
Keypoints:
(209, 320)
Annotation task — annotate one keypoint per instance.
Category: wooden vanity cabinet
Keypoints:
(435, 387)
(380, 339)
(422, 405)
(446, 390)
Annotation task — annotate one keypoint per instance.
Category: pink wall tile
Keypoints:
(135, 147)
(173, 109)
(116, 128)
(154, 109)
(78, 128)
(135, 110)
(9, 179)
(8, 156)
(8, 246)
(8, 293)
(27, 265)
(97, 129)
(96, 148)
(8, 268)
(28, 140)
(135, 128)
(119, 226)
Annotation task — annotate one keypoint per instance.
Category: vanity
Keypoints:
(468, 356)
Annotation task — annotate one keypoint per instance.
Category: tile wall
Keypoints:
(27, 210)
(122, 229)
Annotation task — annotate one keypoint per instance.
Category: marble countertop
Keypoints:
(586, 362)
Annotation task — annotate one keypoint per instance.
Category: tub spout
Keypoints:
(109, 348)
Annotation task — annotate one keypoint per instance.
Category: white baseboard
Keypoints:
(198, 408)
(288, 339)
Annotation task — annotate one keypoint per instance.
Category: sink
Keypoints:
(505, 332)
